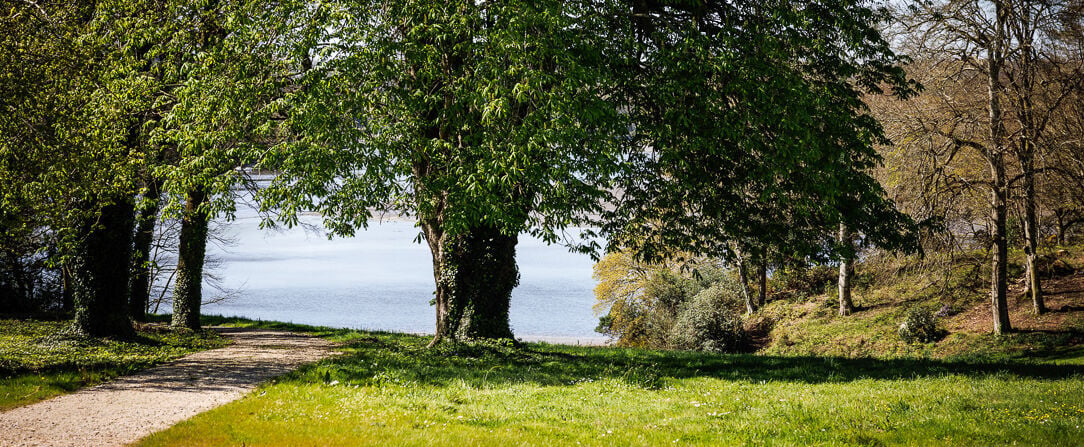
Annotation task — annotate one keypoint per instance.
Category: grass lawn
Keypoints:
(40, 359)
(389, 390)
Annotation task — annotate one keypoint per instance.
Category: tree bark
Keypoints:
(846, 271)
(67, 295)
(763, 292)
(743, 278)
(99, 269)
(1026, 150)
(1061, 227)
(1031, 238)
(474, 274)
(999, 191)
(1000, 252)
(141, 273)
(188, 293)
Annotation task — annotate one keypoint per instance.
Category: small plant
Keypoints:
(947, 310)
(920, 326)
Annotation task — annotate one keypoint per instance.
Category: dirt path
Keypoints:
(131, 407)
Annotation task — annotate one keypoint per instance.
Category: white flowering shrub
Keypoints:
(920, 326)
(710, 322)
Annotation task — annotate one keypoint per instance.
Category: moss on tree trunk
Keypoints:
(188, 292)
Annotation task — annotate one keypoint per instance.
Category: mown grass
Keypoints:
(41, 359)
(388, 389)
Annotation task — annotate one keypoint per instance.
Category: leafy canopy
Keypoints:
(461, 113)
(750, 130)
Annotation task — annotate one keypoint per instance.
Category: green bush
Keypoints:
(710, 322)
(920, 326)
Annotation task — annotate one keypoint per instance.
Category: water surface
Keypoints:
(382, 280)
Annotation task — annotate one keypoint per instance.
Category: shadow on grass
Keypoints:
(374, 359)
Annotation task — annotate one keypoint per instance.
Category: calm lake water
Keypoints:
(382, 280)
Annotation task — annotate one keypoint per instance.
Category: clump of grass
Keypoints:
(40, 359)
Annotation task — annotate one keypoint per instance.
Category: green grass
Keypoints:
(387, 389)
(888, 288)
(41, 359)
(219, 320)
(816, 330)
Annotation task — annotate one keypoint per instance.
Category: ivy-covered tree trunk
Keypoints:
(188, 292)
(99, 282)
(846, 271)
(141, 273)
(474, 273)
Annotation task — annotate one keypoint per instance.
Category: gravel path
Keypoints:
(131, 407)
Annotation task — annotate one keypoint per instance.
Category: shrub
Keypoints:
(710, 322)
(1049, 266)
(920, 326)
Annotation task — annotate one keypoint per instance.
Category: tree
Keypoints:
(147, 218)
(976, 36)
(225, 71)
(751, 131)
(1046, 70)
(484, 120)
(110, 94)
(481, 120)
(68, 147)
(1016, 49)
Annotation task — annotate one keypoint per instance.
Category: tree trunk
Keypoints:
(1026, 151)
(1000, 255)
(100, 273)
(1031, 238)
(188, 293)
(763, 273)
(743, 278)
(67, 295)
(846, 270)
(1061, 227)
(999, 191)
(474, 274)
(141, 272)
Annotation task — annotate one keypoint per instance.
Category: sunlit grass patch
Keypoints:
(388, 389)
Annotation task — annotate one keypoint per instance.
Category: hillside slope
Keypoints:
(955, 291)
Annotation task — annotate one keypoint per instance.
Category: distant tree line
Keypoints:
(733, 130)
